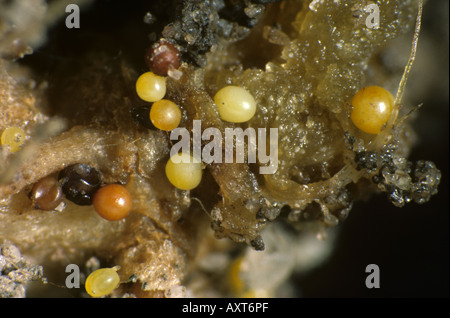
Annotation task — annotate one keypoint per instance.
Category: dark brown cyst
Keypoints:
(162, 56)
(79, 183)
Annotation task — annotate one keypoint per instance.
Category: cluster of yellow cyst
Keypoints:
(371, 108)
(164, 114)
(235, 104)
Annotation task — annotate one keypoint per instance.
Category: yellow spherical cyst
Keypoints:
(102, 282)
(165, 115)
(372, 107)
(151, 87)
(235, 104)
(184, 171)
(14, 137)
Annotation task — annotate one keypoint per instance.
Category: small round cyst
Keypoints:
(236, 105)
(102, 282)
(161, 57)
(13, 137)
(46, 194)
(151, 87)
(372, 107)
(165, 115)
(113, 202)
(184, 171)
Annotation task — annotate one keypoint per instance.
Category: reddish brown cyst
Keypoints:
(46, 194)
(112, 202)
(162, 56)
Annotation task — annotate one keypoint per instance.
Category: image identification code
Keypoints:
(230, 307)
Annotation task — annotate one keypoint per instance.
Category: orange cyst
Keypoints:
(372, 107)
(165, 115)
(112, 202)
